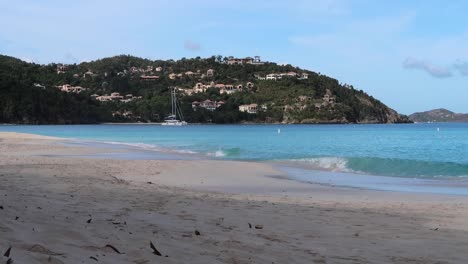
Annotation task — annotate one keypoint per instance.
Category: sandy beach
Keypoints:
(59, 205)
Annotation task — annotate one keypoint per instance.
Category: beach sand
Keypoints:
(58, 206)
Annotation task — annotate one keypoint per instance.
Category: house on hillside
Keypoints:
(207, 104)
(89, 73)
(229, 89)
(210, 73)
(328, 98)
(247, 60)
(199, 88)
(259, 77)
(149, 77)
(219, 86)
(303, 98)
(248, 108)
(115, 96)
(273, 76)
(257, 61)
(71, 89)
(62, 68)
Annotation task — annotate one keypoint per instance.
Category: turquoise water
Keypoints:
(406, 150)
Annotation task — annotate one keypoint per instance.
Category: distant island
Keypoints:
(438, 115)
(210, 90)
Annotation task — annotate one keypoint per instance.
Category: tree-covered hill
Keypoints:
(438, 115)
(86, 93)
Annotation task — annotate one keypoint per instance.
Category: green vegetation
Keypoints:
(438, 115)
(29, 93)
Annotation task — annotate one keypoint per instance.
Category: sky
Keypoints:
(412, 55)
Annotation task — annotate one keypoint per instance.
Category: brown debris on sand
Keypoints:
(113, 248)
(43, 250)
(155, 251)
(7, 253)
(308, 223)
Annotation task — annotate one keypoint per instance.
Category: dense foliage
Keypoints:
(438, 115)
(28, 93)
(22, 102)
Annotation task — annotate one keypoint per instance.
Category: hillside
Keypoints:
(216, 89)
(438, 115)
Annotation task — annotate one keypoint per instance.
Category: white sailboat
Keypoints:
(172, 120)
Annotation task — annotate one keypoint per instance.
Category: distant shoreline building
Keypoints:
(149, 77)
(71, 89)
(207, 104)
(279, 76)
(115, 97)
(248, 108)
(247, 60)
(210, 73)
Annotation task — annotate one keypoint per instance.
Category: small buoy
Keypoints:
(279, 130)
(438, 129)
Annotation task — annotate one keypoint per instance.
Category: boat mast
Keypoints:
(173, 103)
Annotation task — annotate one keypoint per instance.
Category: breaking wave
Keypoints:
(385, 166)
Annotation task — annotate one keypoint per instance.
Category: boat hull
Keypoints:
(174, 123)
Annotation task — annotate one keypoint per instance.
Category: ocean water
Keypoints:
(425, 151)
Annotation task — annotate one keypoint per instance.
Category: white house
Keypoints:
(71, 89)
(273, 76)
(249, 108)
(210, 73)
(207, 104)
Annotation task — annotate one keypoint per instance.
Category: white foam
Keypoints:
(186, 151)
(138, 145)
(217, 154)
(325, 163)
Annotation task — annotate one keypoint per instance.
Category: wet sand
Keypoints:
(61, 208)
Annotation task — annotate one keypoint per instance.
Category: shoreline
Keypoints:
(103, 151)
(65, 209)
(240, 123)
(98, 149)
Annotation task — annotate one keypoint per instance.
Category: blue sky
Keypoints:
(412, 55)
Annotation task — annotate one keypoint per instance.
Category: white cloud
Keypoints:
(461, 67)
(433, 70)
